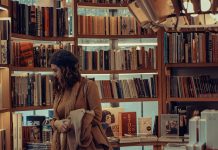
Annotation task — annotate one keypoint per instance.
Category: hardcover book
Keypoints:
(169, 125)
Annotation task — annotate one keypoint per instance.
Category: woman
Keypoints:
(77, 108)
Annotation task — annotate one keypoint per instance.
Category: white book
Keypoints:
(15, 137)
(145, 125)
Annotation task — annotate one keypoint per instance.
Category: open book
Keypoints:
(147, 11)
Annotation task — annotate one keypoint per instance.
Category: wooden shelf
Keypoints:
(28, 108)
(101, 5)
(119, 71)
(29, 37)
(2, 110)
(31, 69)
(136, 144)
(191, 65)
(198, 99)
(3, 66)
(116, 36)
(3, 7)
(128, 100)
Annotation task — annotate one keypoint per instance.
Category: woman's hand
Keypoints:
(62, 125)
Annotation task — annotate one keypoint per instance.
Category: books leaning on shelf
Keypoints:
(145, 125)
(117, 59)
(32, 90)
(131, 88)
(2, 139)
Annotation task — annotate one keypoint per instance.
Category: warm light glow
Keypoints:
(189, 6)
(205, 5)
(119, 44)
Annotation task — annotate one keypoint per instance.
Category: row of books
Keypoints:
(32, 90)
(110, 25)
(107, 1)
(25, 54)
(191, 47)
(127, 59)
(2, 139)
(192, 86)
(131, 88)
(4, 42)
(39, 21)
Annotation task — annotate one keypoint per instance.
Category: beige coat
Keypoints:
(85, 95)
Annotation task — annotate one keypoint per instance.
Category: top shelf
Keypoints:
(191, 65)
(29, 37)
(101, 5)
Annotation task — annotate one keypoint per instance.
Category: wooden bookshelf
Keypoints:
(119, 71)
(2, 110)
(101, 5)
(128, 100)
(198, 99)
(31, 69)
(34, 38)
(116, 36)
(29, 108)
(137, 144)
(191, 65)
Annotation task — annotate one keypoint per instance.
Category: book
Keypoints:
(110, 122)
(145, 125)
(127, 123)
(169, 125)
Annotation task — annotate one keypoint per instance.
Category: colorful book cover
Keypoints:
(169, 125)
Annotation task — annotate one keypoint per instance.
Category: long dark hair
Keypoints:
(70, 74)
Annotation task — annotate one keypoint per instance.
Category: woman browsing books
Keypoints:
(77, 107)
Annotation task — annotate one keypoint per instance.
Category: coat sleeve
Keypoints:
(93, 100)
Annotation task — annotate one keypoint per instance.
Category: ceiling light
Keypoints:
(205, 5)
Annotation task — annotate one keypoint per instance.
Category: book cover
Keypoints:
(110, 120)
(145, 125)
(169, 125)
(127, 123)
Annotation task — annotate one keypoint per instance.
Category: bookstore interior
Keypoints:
(154, 62)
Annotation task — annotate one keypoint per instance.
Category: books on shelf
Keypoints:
(191, 47)
(110, 25)
(28, 54)
(17, 131)
(192, 86)
(32, 90)
(2, 139)
(127, 59)
(131, 88)
(41, 21)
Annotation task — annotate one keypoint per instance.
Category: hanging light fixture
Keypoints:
(205, 5)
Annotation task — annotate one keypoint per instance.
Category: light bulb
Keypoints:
(205, 5)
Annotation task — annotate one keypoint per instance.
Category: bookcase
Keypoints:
(190, 71)
(75, 43)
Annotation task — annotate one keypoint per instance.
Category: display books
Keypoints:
(127, 123)
(110, 121)
(2, 139)
(145, 125)
(169, 125)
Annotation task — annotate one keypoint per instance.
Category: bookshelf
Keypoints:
(8, 71)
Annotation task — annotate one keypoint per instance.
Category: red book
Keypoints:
(127, 123)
